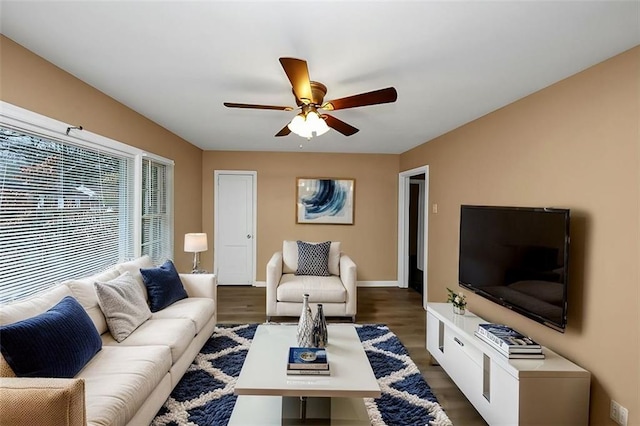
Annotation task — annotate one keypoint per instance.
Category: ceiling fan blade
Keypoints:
(339, 125)
(298, 74)
(381, 96)
(253, 106)
(284, 132)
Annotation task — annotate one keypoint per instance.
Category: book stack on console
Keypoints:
(509, 342)
(308, 361)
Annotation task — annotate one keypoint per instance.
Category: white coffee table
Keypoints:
(267, 395)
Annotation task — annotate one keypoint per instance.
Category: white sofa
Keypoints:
(337, 292)
(124, 383)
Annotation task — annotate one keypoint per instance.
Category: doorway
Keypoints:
(234, 227)
(416, 233)
(413, 229)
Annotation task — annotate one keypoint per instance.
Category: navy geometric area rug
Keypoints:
(204, 396)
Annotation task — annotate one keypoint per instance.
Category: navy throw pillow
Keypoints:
(313, 259)
(56, 343)
(163, 286)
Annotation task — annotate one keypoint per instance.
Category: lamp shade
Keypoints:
(308, 124)
(299, 126)
(195, 242)
(316, 124)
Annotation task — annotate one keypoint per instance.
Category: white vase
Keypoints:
(305, 325)
(458, 310)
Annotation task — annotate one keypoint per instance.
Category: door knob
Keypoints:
(248, 236)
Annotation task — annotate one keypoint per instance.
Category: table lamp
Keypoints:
(195, 243)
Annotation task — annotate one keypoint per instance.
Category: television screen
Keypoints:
(517, 257)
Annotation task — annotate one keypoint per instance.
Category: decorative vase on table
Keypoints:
(320, 333)
(458, 310)
(305, 325)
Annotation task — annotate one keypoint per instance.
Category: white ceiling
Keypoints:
(451, 62)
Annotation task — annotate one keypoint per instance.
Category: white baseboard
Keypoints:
(360, 284)
(377, 283)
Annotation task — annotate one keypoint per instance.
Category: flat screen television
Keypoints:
(517, 257)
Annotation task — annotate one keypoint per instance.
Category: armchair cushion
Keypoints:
(313, 259)
(290, 257)
(320, 289)
(42, 401)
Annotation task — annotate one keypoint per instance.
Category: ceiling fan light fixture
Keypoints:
(308, 125)
(299, 126)
(316, 123)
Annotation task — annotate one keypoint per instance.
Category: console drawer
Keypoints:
(456, 342)
(464, 364)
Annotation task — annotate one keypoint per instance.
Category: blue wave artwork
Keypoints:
(326, 198)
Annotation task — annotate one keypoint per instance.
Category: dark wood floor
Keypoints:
(400, 309)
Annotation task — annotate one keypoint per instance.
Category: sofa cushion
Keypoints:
(56, 343)
(133, 267)
(32, 306)
(290, 257)
(175, 333)
(123, 305)
(198, 310)
(163, 285)
(313, 258)
(85, 293)
(119, 379)
(320, 289)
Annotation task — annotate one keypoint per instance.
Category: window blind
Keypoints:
(66, 211)
(156, 210)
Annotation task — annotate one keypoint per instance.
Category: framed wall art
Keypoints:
(325, 201)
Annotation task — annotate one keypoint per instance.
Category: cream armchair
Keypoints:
(337, 292)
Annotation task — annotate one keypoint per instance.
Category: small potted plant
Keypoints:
(459, 301)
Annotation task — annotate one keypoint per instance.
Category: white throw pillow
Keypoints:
(134, 267)
(123, 305)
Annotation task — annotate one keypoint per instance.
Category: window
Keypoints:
(156, 210)
(71, 207)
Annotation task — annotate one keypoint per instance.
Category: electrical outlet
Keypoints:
(614, 411)
(623, 415)
(618, 413)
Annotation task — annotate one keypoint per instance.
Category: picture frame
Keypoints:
(325, 201)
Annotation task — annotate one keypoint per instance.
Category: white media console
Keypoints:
(550, 391)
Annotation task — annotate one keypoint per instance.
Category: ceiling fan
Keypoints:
(309, 96)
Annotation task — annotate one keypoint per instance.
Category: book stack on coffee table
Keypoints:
(509, 342)
(308, 361)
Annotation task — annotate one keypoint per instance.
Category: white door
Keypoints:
(234, 225)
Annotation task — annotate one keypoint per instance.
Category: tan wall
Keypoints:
(573, 145)
(371, 241)
(30, 82)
